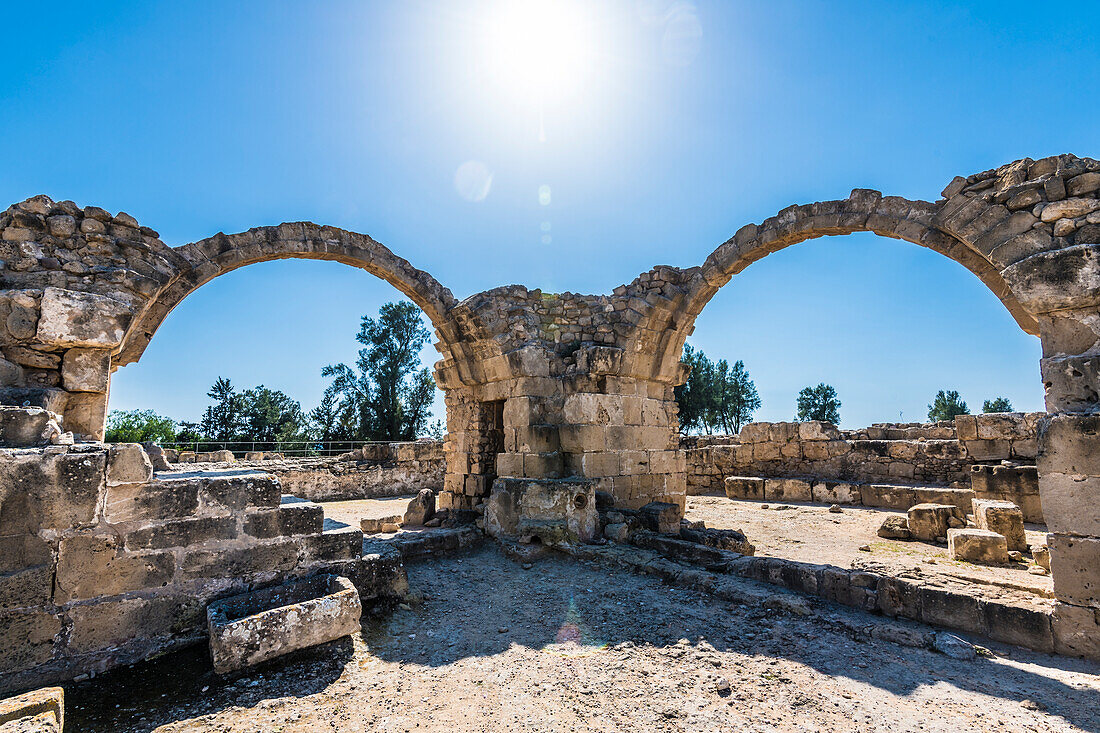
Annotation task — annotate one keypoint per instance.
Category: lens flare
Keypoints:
(541, 49)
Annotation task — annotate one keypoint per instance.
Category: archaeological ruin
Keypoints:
(561, 431)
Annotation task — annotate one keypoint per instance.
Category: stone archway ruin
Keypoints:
(542, 387)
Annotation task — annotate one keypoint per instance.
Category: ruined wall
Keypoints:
(542, 385)
(101, 564)
(387, 469)
(951, 454)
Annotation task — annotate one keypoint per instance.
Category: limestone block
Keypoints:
(182, 533)
(113, 623)
(27, 426)
(91, 565)
(555, 510)
(86, 370)
(1041, 555)
(85, 414)
(600, 463)
(1076, 630)
(1070, 444)
(1071, 503)
(11, 374)
(70, 318)
(817, 430)
(128, 463)
(290, 519)
(509, 464)
(930, 522)
(542, 465)
(661, 517)
(537, 439)
(836, 492)
(887, 496)
(754, 432)
(420, 509)
(961, 498)
(158, 456)
(895, 527)
(977, 546)
(987, 450)
(271, 557)
(54, 491)
(251, 628)
(744, 487)
(766, 452)
(1075, 567)
(788, 489)
(40, 711)
(27, 638)
(1004, 518)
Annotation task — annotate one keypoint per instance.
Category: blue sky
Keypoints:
(675, 124)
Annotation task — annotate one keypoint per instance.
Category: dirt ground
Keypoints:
(350, 512)
(488, 644)
(810, 533)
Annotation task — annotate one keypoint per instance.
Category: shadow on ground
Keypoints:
(480, 604)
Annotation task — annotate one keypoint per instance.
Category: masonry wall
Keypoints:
(101, 564)
(905, 454)
(373, 471)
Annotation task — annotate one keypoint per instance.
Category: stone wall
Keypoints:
(103, 564)
(387, 469)
(905, 454)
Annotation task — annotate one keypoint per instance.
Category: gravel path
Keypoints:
(488, 644)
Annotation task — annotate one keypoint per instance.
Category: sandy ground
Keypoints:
(810, 533)
(488, 645)
(350, 512)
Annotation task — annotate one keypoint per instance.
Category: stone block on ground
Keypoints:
(251, 628)
(895, 528)
(788, 489)
(977, 546)
(420, 509)
(930, 522)
(744, 487)
(38, 711)
(26, 427)
(1002, 517)
(661, 517)
(374, 525)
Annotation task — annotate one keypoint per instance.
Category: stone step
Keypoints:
(287, 520)
(338, 541)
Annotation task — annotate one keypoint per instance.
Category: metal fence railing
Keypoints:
(287, 448)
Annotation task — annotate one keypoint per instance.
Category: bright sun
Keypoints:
(540, 49)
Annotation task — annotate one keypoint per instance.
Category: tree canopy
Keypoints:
(139, 426)
(946, 406)
(388, 395)
(998, 404)
(818, 403)
(715, 396)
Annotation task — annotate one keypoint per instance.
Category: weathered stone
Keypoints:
(421, 508)
(70, 318)
(930, 522)
(977, 546)
(86, 370)
(1004, 518)
(248, 629)
(91, 565)
(27, 426)
(895, 528)
(744, 487)
(38, 711)
(128, 463)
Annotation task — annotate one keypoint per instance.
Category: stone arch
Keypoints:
(206, 259)
(864, 210)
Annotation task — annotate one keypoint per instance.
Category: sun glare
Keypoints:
(540, 49)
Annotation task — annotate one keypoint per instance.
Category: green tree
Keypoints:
(222, 420)
(387, 396)
(1000, 404)
(269, 415)
(715, 395)
(139, 426)
(946, 406)
(325, 418)
(819, 403)
(190, 432)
